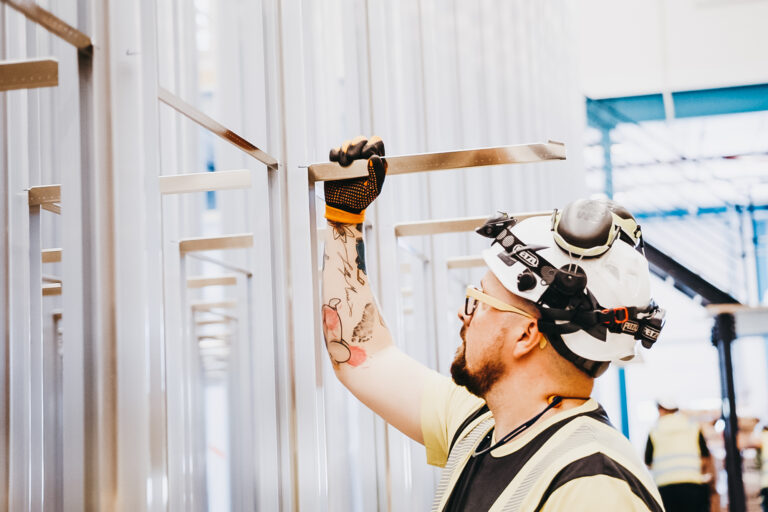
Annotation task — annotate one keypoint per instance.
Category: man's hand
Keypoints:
(346, 200)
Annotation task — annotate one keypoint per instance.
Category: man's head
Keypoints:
(582, 270)
(497, 343)
(667, 405)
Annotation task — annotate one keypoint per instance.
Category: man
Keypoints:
(680, 461)
(517, 430)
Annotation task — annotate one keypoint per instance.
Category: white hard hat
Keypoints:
(581, 267)
(667, 402)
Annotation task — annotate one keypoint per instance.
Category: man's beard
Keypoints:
(481, 380)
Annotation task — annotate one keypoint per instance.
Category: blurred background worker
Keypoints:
(680, 461)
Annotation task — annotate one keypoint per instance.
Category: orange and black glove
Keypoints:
(346, 200)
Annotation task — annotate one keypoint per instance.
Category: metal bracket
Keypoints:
(215, 127)
(465, 262)
(51, 255)
(205, 181)
(460, 225)
(425, 162)
(239, 241)
(202, 282)
(44, 195)
(51, 22)
(207, 306)
(28, 74)
(51, 289)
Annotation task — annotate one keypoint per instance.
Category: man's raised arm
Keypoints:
(358, 341)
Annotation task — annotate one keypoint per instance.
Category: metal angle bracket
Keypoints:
(51, 289)
(51, 255)
(44, 195)
(213, 126)
(203, 281)
(51, 22)
(207, 306)
(460, 225)
(239, 241)
(425, 162)
(465, 262)
(28, 74)
(205, 181)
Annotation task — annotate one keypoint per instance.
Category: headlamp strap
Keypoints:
(584, 313)
(517, 251)
(643, 324)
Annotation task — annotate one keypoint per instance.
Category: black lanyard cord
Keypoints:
(556, 400)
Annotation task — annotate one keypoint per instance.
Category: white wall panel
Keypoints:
(630, 47)
(295, 77)
(441, 77)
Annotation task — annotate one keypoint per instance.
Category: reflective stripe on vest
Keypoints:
(676, 453)
(764, 469)
(580, 437)
(458, 459)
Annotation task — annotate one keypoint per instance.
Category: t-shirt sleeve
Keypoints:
(599, 493)
(703, 445)
(649, 451)
(444, 407)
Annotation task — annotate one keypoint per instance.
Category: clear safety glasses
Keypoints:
(474, 296)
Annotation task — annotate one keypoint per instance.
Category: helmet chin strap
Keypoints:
(552, 402)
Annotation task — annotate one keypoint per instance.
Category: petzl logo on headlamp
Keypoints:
(650, 333)
(630, 327)
(528, 258)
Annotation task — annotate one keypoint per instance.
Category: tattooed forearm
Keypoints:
(364, 328)
(338, 348)
(346, 271)
(352, 325)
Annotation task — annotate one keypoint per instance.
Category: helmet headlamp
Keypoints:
(588, 228)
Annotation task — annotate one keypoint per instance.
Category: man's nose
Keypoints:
(462, 316)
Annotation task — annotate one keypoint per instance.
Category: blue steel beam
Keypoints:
(696, 212)
(607, 113)
(728, 100)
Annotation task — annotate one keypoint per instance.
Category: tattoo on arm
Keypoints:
(349, 300)
(339, 350)
(364, 328)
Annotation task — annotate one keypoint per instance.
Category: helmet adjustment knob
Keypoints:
(526, 281)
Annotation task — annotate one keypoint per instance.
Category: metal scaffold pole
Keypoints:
(723, 335)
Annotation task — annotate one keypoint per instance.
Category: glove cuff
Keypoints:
(344, 217)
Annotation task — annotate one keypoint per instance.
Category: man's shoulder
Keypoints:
(599, 473)
(595, 447)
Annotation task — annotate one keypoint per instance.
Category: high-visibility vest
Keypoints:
(764, 469)
(676, 453)
(581, 436)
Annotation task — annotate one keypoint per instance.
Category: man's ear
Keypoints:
(528, 338)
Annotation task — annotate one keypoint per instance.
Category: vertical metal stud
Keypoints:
(36, 357)
(5, 300)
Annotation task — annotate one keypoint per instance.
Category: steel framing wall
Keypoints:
(122, 426)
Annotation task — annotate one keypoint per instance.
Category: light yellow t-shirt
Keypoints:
(590, 465)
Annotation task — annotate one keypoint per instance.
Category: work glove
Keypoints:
(346, 200)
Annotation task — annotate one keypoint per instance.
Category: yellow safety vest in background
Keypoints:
(676, 453)
(764, 468)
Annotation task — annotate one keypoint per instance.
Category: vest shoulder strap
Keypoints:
(467, 422)
(457, 457)
(583, 436)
